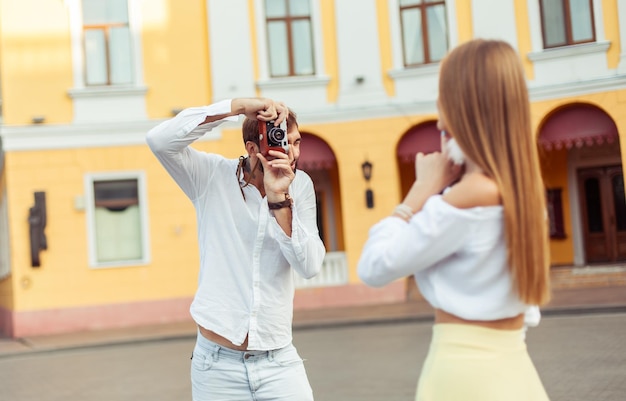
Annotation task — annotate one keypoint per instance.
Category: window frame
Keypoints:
(90, 209)
(106, 29)
(568, 25)
(423, 7)
(5, 243)
(554, 200)
(289, 21)
(74, 8)
(264, 75)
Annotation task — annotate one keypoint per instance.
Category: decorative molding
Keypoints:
(569, 51)
(104, 91)
(571, 89)
(293, 82)
(426, 70)
(43, 137)
(384, 109)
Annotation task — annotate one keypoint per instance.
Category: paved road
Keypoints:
(580, 358)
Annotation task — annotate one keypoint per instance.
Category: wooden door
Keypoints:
(603, 204)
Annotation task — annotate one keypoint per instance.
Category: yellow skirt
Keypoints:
(472, 363)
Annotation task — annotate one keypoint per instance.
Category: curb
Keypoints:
(27, 347)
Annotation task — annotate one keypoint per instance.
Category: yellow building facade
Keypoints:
(94, 233)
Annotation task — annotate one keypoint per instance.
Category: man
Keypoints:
(256, 220)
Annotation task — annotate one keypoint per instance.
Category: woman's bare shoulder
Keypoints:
(473, 190)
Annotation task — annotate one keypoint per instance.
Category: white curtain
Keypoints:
(118, 234)
(581, 20)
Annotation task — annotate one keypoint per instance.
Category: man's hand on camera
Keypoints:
(260, 109)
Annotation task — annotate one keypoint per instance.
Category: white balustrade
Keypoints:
(334, 272)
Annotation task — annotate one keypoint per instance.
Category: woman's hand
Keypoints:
(436, 171)
(433, 173)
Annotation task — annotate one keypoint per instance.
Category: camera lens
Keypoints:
(276, 135)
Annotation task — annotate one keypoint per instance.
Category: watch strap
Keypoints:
(280, 205)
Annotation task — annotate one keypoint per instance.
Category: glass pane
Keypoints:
(412, 36)
(275, 8)
(120, 56)
(116, 189)
(94, 12)
(299, 8)
(594, 205)
(279, 52)
(105, 11)
(437, 32)
(118, 234)
(409, 2)
(581, 20)
(95, 57)
(619, 200)
(302, 48)
(553, 23)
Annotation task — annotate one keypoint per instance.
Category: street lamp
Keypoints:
(366, 168)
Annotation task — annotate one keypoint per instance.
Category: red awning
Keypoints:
(423, 138)
(315, 154)
(580, 125)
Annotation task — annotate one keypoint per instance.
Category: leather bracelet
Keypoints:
(280, 205)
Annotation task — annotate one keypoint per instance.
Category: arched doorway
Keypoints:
(425, 138)
(595, 182)
(318, 160)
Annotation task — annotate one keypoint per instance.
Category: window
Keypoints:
(5, 260)
(555, 213)
(424, 31)
(5, 267)
(117, 219)
(289, 37)
(107, 42)
(567, 22)
(0, 109)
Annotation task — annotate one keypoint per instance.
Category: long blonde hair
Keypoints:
(484, 101)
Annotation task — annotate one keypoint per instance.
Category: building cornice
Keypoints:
(45, 137)
(573, 89)
(68, 136)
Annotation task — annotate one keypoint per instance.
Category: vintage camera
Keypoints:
(273, 137)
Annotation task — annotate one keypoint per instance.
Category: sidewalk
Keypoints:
(565, 301)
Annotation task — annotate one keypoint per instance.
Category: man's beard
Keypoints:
(295, 167)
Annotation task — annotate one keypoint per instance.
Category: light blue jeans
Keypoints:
(223, 374)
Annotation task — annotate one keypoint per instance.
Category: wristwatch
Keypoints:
(279, 205)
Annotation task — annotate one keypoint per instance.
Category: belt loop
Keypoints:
(216, 354)
(270, 355)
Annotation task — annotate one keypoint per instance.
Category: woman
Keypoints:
(479, 251)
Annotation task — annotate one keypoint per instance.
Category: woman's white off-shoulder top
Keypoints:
(458, 257)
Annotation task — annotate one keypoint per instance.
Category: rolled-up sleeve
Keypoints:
(170, 140)
(395, 249)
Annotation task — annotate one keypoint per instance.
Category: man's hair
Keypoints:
(250, 129)
(484, 102)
